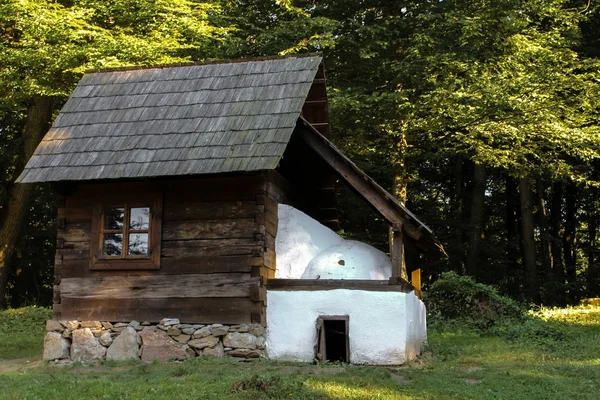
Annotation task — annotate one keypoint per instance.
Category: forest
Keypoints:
(482, 116)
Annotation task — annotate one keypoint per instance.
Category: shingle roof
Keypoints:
(200, 119)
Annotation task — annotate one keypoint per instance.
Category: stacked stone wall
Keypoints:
(87, 341)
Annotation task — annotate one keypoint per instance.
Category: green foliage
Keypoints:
(453, 296)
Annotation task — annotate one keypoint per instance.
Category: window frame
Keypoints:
(99, 261)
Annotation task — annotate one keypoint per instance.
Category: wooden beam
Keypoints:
(359, 182)
(396, 285)
(397, 252)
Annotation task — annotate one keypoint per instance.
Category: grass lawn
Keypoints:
(553, 355)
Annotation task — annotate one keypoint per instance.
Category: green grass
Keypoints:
(22, 332)
(554, 354)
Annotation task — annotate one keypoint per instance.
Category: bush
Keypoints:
(455, 296)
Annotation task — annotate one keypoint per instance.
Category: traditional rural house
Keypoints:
(194, 205)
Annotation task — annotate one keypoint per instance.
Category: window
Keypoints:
(127, 235)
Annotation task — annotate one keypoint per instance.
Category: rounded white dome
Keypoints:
(349, 260)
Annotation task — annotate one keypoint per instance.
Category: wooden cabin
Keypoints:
(170, 179)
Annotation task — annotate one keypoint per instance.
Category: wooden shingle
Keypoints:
(200, 119)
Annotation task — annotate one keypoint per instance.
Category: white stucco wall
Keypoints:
(307, 249)
(386, 328)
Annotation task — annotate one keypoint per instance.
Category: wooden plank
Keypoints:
(271, 223)
(75, 214)
(158, 286)
(415, 279)
(270, 259)
(270, 204)
(397, 251)
(76, 232)
(209, 229)
(188, 310)
(333, 284)
(211, 210)
(169, 266)
(210, 247)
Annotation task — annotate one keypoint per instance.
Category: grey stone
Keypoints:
(216, 351)
(54, 326)
(182, 338)
(146, 323)
(261, 342)
(139, 340)
(55, 346)
(202, 332)
(85, 346)
(120, 325)
(134, 323)
(105, 339)
(198, 326)
(245, 353)
(118, 328)
(219, 330)
(162, 327)
(157, 345)
(239, 328)
(188, 331)
(190, 352)
(66, 334)
(169, 321)
(199, 344)
(240, 340)
(124, 347)
(70, 325)
(107, 325)
(228, 348)
(183, 326)
(91, 324)
(256, 329)
(173, 331)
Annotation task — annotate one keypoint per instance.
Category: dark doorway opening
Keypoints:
(333, 343)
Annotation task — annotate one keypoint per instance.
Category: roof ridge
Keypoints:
(200, 63)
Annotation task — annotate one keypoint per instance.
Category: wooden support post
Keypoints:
(415, 279)
(397, 249)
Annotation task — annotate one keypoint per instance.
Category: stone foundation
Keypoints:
(87, 341)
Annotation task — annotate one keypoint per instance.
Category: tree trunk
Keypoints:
(456, 249)
(558, 270)
(531, 283)
(476, 218)
(546, 252)
(399, 188)
(39, 116)
(512, 236)
(592, 272)
(569, 238)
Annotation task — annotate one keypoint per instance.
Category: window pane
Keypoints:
(138, 244)
(113, 218)
(113, 244)
(139, 218)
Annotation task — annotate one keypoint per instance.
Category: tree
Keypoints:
(45, 48)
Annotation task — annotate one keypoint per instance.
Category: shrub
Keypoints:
(455, 296)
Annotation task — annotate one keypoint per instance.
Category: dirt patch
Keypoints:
(19, 364)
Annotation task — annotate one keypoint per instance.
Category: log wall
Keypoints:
(217, 251)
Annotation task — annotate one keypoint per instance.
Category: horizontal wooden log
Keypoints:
(211, 210)
(209, 229)
(333, 284)
(269, 259)
(74, 251)
(269, 203)
(76, 214)
(75, 232)
(187, 310)
(271, 223)
(158, 286)
(269, 241)
(168, 266)
(210, 247)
